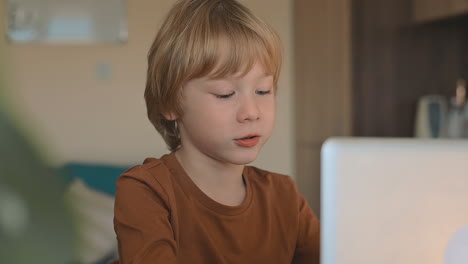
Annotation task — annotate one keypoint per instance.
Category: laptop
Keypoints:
(394, 201)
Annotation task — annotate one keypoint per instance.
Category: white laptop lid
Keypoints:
(394, 201)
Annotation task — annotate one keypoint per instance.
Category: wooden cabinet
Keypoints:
(396, 62)
(430, 10)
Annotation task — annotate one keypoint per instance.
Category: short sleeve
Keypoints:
(142, 221)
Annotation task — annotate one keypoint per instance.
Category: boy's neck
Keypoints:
(222, 182)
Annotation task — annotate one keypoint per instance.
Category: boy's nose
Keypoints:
(248, 110)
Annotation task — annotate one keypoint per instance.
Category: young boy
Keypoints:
(212, 80)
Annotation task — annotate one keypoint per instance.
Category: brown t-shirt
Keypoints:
(161, 216)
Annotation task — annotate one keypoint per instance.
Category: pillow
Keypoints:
(90, 194)
(93, 212)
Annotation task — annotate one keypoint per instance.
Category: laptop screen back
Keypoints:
(394, 201)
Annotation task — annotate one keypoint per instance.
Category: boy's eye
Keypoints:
(263, 92)
(224, 96)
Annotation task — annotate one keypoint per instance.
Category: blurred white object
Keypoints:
(455, 122)
(94, 213)
(394, 201)
(466, 122)
(456, 116)
(431, 117)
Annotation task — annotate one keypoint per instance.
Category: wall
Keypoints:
(81, 117)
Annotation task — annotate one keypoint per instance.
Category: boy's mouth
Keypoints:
(248, 141)
(250, 136)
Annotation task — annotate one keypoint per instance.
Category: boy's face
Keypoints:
(229, 119)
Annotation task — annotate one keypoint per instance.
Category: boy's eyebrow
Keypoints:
(266, 75)
(225, 82)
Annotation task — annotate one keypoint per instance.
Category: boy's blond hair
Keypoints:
(214, 38)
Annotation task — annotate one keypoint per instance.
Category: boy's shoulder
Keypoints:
(151, 169)
(155, 170)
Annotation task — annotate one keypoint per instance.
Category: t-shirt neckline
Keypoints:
(187, 183)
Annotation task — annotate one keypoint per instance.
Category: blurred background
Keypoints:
(76, 72)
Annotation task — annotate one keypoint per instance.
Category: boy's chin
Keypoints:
(244, 158)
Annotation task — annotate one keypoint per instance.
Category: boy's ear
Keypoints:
(170, 116)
